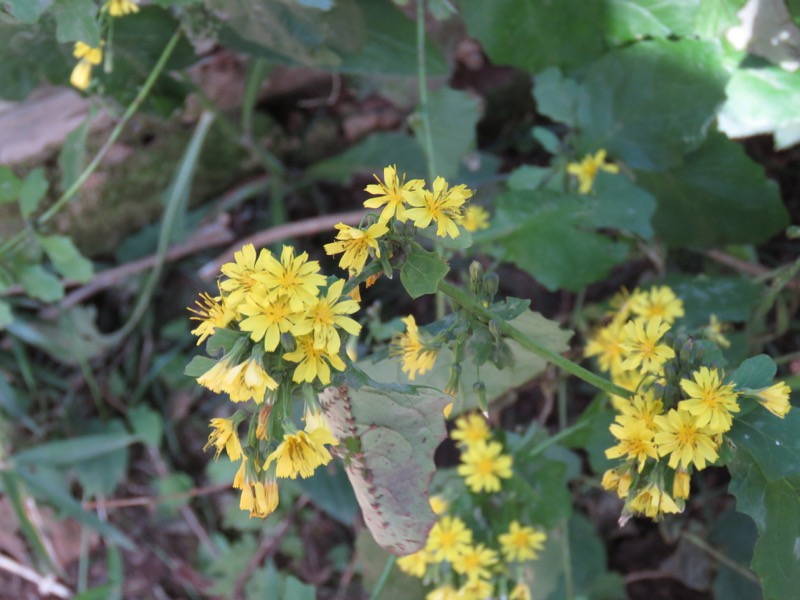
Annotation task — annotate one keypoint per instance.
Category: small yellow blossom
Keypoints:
(475, 218)
(301, 453)
(249, 380)
(483, 465)
(356, 244)
(521, 542)
(684, 440)
(606, 345)
(293, 277)
(470, 429)
(448, 539)
(642, 407)
(417, 357)
(444, 592)
(476, 589)
(120, 8)
(259, 497)
(212, 312)
(587, 169)
(658, 302)
(635, 442)
(415, 564)
(267, 319)
(775, 399)
(710, 401)
(217, 377)
(322, 318)
(654, 502)
(87, 58)
(241, 280)
(714, 332)
(641, 345)
(622, 303)
(441, 206)
(393, 192)
(224, 436)
(521, 591)
(476, 562)
(680, 484)
(618, 481)
(439, 505)
(313, 362)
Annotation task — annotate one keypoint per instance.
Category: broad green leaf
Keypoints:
(29, 56)
(535, 34)
(41, 284)
(773, 443)
(528, 177)
(28, 11)
(748, 485)
(632, 20)
(331, 491)
(762, 101)
(715, 18)
(734, 534)
(66, 258)
(650, 103)
(75, 450)
(146, 424)
(72, 157)
(422, 272)
(32, 191)
(453, 117)
(101, 474)
(9, 185)
(718, 196)
(557, 96)
(621, 204)
(549, 140)
(755, 373)
(371, 155)
(550, 235)
(199, 365)
(541, 485)
(387, 440)
(729, 298)
(76, 20)
(6, 316)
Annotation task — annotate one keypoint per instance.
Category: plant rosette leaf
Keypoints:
(387, 439)
(422, 271)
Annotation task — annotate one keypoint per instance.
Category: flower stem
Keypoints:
(469, 304)
(376, 593)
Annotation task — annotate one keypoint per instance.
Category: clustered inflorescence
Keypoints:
(681, 405)
(463, 557)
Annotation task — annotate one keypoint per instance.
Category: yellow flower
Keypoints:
(475, 218)
(654, 502)
(586, 170)
(521, 591)
(635, 442)
(301, 453)
(483, 465)
(120, 8)
(216, 377)
(476, 562)
(259, 497)
(680, 484)
(249, 380)
(475, 589)
(642, 407)
(212, 312)
(266, 319)
(641, 344)
(448, 539)
(658, 302)
(470, 429)
(606, 345)
(618, 481)
(622, 303)
(224, 436)
(241, 273)
(87, 57)
(684, 440)
(444, 592)
(356, 244)
(417, 357)
(713, 331)
(710, 402)
(521, 542)
(775, 399)
(326, 314)
(441, 206)
(313, 362)
(415, 564)
(392, 192)
(439, 505)
(294, 277)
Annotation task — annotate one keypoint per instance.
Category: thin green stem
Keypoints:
(387, 570)
(422, 82)
(471, 305)
(529, 450)
(719, 556)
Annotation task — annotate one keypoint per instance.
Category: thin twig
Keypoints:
(745, 267)
(281, 232)
(47, 585)
(153, 501)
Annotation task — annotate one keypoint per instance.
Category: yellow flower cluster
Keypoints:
(459, 564)
(417, 352)
(662, 444)
(287, 321)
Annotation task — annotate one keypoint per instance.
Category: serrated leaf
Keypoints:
(650, 103)
(397, 434)
(755, 373)
(773, 443)
(28, 11)
(717, 179)
(41, 284)
(9, 185)
(76, 20)
(198, 366)
(422, 272)
(630, 20)
(32, 191)
(69, 452)
(66, 258)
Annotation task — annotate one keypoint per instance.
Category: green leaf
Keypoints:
(29, 56)
(557, 96)
(371, 155)
(550, 235)
(28, 11)
(762, 101)
(453, 117)
(621, 204)
(76, 20)
(396, 434)
(719, 196)
(729, 298)
(75, 450)
(755, 373)
(734, 534)
(40, 284)
(567, 33)
(6, 316)
(773, 443)
(72, 157)
(633, 20)
(715, 18)
(199, 365)
(422, 271)
(9, 185)
(528, 177)
(650, 103)
(331, 491)
(748, 485)
(146, 424)
(66, 258)
(168, 485)
(100, 475)
(223, 340)
(549, 140)
(33, 190)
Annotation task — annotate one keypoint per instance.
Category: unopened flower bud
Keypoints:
(491, 283)
(476, 277)
(480, 391)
